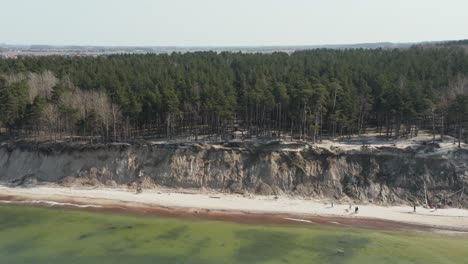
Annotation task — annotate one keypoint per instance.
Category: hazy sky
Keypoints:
(230, 22)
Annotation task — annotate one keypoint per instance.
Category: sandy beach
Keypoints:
(282, 209)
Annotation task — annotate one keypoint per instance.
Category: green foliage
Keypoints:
(35, 110)
(58, 91)
(13, 102)
(459, 108)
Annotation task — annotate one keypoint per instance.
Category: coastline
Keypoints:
(204, 204)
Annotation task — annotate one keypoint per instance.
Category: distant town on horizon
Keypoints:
(12, 51)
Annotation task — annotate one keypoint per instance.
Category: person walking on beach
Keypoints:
(414, 208)
(356, 210)
(139, 189)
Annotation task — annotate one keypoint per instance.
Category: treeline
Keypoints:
(306, 95)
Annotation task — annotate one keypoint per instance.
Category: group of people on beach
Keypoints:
(356, 209)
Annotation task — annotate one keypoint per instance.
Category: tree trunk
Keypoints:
(433, 125)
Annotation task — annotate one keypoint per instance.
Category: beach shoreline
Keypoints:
(250, 209)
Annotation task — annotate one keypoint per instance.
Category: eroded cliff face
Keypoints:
(387, 175)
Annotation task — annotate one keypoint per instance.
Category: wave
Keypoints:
(299, 220)
(52, 203)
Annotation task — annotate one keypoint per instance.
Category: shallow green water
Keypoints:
(53, 235)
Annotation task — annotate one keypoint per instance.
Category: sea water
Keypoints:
(59, 235)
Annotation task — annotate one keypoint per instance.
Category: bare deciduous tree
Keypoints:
(41, 84)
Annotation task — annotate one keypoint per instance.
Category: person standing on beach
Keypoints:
(414, 208)
(139, 189)
(356, 210)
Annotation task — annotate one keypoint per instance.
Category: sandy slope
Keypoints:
(447, 218)
(372, 140)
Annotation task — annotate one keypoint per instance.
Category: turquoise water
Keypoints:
(55, 235)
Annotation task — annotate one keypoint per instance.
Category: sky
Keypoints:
(230, 22)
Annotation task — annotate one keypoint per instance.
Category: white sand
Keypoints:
(373, 141)
(446, 218)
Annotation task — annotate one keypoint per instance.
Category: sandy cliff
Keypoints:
(387, 175)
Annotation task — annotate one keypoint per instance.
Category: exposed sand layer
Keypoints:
(374, 140)
(278, 209)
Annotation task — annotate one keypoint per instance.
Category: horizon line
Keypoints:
(234, 46)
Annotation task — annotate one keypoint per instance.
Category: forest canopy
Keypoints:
(306, 95)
